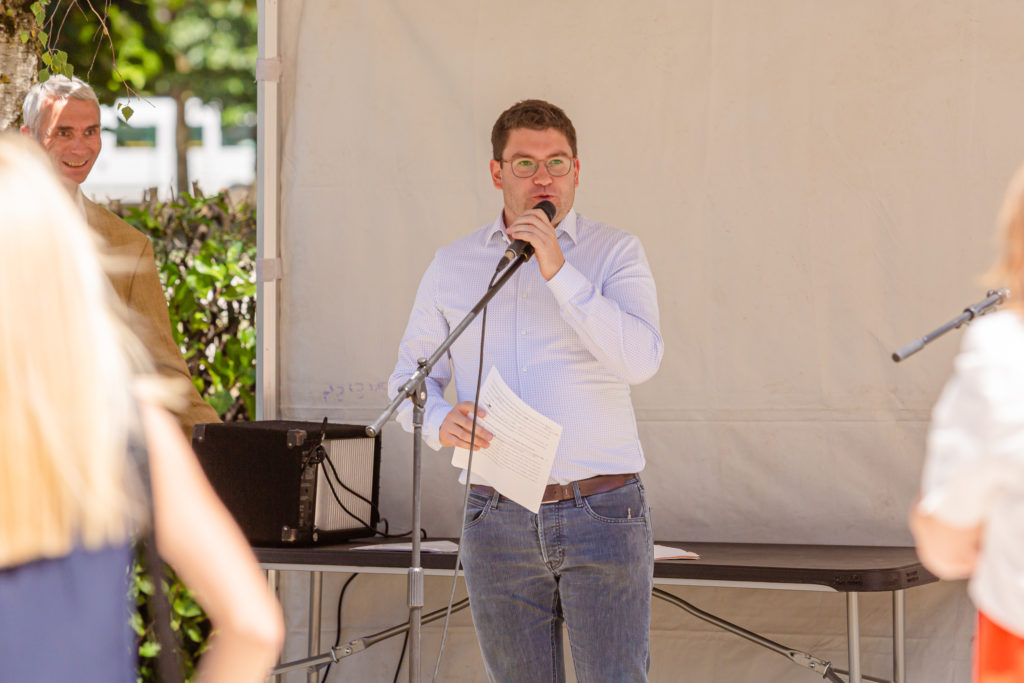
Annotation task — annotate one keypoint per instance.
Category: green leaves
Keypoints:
(176, 48)
(39, 10)
(149, 649)
(205, 249)
(125, 110)
(188, 621)
(55, 61)
(185, 606)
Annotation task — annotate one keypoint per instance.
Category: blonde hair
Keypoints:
(1008, 270)
(67, 361)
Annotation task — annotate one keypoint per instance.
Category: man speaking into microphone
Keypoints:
(570, 331)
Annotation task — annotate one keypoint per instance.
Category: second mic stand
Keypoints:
(993, 297)
(415, 389)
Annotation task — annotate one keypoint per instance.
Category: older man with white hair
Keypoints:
(63, 115)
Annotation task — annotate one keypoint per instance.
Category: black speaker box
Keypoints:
(286, 486)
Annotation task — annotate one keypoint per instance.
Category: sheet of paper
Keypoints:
(425, 546)
(664, 552)
(519, 459)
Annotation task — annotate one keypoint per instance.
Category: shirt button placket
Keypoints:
(520, 315)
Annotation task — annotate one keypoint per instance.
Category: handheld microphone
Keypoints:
(522, 246)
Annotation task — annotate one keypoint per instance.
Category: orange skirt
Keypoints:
(998, 654)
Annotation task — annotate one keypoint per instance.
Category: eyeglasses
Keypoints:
(524, 167)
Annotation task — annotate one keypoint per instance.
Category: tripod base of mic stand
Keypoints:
(819, 666)
(359, 644)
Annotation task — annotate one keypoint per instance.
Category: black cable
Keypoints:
(469, 473)
(337, 499)
(316, 456)
(337, 635)
(338, 478)
(377, 533)
(401, 657)
(385, 533)
(469, 469)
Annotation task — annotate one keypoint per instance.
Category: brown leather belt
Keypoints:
(588, 487)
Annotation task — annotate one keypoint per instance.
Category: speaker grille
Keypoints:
(350, 458)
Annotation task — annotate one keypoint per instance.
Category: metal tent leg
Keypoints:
(853, 636)
(273, 582)
(899, 656)
(316, 587)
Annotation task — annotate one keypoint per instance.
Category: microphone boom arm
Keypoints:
(427, 364)
(993, 298)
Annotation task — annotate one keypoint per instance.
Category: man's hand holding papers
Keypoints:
(518, 461)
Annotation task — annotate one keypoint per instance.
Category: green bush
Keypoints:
(188, 621)
(205, 249)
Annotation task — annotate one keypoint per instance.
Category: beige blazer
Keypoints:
(141, 292)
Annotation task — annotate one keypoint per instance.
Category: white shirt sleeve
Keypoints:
(976, 439)
(618, 323)
(426, 329)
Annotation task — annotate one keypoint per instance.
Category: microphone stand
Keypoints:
(415, 390)
(993, 298)
(338, 653)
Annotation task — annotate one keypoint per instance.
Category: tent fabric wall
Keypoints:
(815, 184)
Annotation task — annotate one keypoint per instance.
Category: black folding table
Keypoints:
(848, 569)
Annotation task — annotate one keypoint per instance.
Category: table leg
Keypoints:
(899, 659)
(273, 581)
(853, 636)
(316, 586)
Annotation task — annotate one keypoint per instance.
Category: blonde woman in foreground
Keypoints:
(969, 521)
(79, 416)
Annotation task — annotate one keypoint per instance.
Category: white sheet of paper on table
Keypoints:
(664, 552)
(425, 546)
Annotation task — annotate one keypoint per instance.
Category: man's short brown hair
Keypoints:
(535, 115)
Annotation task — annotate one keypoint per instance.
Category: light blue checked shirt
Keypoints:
(569, 347)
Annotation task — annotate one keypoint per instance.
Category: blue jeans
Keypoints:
(587, 562)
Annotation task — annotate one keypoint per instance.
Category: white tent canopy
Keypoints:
(815, 184)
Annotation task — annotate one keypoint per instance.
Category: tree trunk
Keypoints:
(181, 142)
(19, 62)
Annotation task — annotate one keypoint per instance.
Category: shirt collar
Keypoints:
(497, 228)
(80, 199)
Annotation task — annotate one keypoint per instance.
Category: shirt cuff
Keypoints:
(967, 497)
(949, 510)
(567, 283)
(432, 420)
